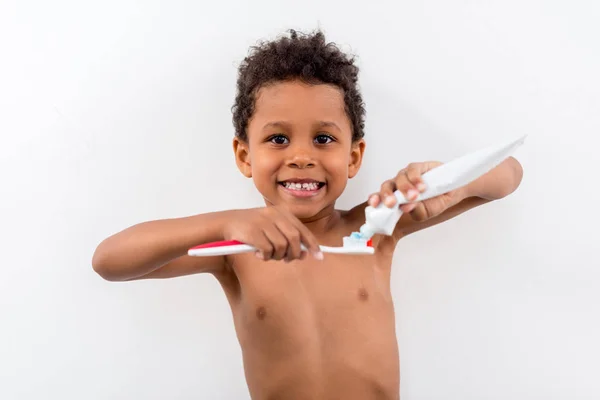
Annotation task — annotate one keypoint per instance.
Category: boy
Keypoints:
(310, 327)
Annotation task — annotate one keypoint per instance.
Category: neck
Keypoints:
(321, 222)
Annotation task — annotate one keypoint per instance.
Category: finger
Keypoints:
(374, 200)
(414, 175)
(386, 192)
(264, 248)
(306, 236)
(293, 237)
(278, 241)
(406, 187)
(420, 212)
(409, 207)
(310, 241)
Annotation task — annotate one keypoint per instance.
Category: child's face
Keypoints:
(300, 133)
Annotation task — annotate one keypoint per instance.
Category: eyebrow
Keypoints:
(283, 124)
(276, 124)
(327, 124)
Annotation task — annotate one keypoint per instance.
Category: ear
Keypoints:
(356, 156)
(242, 156)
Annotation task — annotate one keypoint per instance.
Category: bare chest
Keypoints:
(341, 298)
(316, 325)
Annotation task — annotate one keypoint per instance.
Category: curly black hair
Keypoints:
(300, 56)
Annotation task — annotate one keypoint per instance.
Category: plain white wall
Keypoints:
(116, 112)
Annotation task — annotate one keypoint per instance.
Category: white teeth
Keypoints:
(301, 186)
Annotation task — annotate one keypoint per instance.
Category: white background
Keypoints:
(116, 112)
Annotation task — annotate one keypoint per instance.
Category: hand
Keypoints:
(410, 184)
(274, 231)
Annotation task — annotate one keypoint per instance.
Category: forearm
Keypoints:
(497, 183)
(147, 246)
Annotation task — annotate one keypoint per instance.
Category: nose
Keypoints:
(300, 158)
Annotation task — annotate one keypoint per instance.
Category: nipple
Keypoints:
(261, 313)
(363, 294)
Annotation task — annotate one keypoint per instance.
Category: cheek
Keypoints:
(338, 165)
(263, 164)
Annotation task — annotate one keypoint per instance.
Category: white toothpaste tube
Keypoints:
(443, 179)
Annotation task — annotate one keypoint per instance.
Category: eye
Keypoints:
(323, 139)
(278, 139)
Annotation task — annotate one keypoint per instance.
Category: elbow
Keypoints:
(498, 183)
(512, 178)
(516, 176)
(102, 265)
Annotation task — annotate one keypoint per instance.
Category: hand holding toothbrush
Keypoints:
(410, 183)
(274, 232)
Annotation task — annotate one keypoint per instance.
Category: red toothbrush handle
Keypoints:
(217, 244)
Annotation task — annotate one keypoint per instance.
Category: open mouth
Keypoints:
(302, 186)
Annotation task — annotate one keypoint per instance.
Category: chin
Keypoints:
(304, 212)
(300, 211)
(304, 205)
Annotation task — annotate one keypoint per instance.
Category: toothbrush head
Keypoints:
(356, 240)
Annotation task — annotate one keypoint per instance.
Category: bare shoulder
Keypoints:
(351, 220)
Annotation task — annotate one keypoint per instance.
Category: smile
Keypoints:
(302, 187)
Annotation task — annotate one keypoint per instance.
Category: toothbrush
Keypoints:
(443, 179)
(228, 247)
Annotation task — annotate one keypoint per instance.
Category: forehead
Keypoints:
(299, 102)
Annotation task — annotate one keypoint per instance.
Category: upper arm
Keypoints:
(406, 225)
(187, 265)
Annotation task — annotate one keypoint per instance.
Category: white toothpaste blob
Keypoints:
(355, 240)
